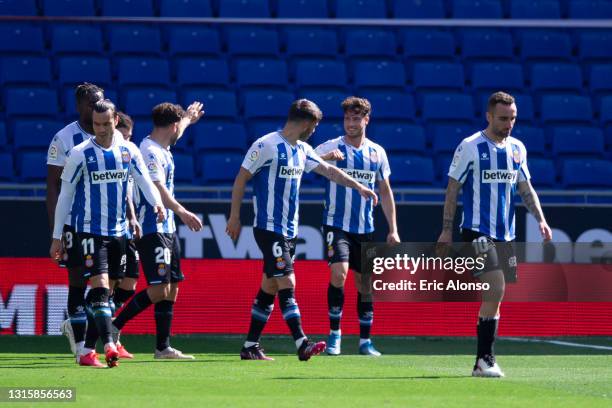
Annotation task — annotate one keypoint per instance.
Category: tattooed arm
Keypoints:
(532, 202)
(450, 207)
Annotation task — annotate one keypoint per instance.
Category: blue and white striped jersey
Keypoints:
(277, 169)
(160, 165)
(345, 208)
(489, 173)
(100, 178)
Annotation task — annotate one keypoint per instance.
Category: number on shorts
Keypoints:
(330, 238)
(88, 246)
(277, 251)
(162, 255)
(68, 239)
(481, 245)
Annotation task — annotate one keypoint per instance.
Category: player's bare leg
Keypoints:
(488, 321)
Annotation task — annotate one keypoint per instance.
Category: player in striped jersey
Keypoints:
(489, 166)
(159, 246)
(348, 220)
(276, 163)
(94, 184)
(86, 96)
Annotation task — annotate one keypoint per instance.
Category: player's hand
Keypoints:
(444, 242)
(393, 238)
(334, 155)
(136, 228)
(194, 112)
(190, 220)
(369, 194)
(161, 213)
(57, 250)
(545, 231)
(233, 228)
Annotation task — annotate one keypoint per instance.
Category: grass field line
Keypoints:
(558, 343)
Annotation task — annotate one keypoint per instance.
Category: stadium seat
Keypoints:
(524, 105)
(127, 8)
(497, 75)
(438, 75)
(69, 8)
(312, 41)
(391, 105)
(447, 137)
(34, 133)
(193, 40)
(302, 9)
(75, 70)
(7, 171)
(577, 141)
(260, 127)
(486, 45)
(25, 70)
(219, 168)
(542, 45)
(320, 73)
(595, 46)
(263, 72)
(428, 44)
(252, 41)
(143, 71)
(370, 43)
(202, 71)
(442, 165)
(32, 166)
(379, 74)
(600, 78)
(21, 39)
(3, 139)
(412, 170)
(267, 104)
(361, 9)
(566, 108)
(217, 103)
(78, 39)
(532, 137)
(244, 8)
(18, 8)
(606, 110)
(326, 130)
(185, 8)
(542, 171)
(556, 77)
(444, 107)
(599, 9)
(540, 9)
(134, 40)
(328, 101)
(184, 169)
(31, 102)
(220, 136)
(580, 173)
(141, 101)
(477, 9)
(418, 9)
(399, 137)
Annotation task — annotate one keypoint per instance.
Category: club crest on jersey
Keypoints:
(516, 156)
(161, 270)
(89, 261)
(289, 172)
(125, 156)
(280, 263)
(373, 156)
(330, 251)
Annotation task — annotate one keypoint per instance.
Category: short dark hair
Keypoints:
(105, 105)
(166, 114)
(85, 90)
(125, 121)
(499, 97)
(303, 109)
(360, 106)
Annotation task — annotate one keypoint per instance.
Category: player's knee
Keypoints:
(99, 281)
(128, 284)
(285, 282)
(157, 293)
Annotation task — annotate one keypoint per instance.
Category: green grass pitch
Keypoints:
(413, 372)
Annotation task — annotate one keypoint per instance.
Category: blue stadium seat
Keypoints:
(31, 102)
(379, 74)
(524, 104)
(78, 69)
(21, 38)
(391, 105)
(302, 9)
(399, 137)
(429, 44)
(263, 72)
(7, 171)
(193, 40)
(202, 71)
(18, 8)
(328, 101)
(535, 9)
(217, 103)
(34, 133)
(326, 130)
(556, 77)
(185, 8)
(141, 101)
(143, 71)
(32, 166)
(184, 170)
(361, 9)
(320, 73)
(497, 75)
(566, 108)
(442, 164)
(134, 40)
(445, 107)
(487, 45)
(540, 45)
(69, 8)
(580, 173)
(532, 137)
(244, 8)
(595, 46)
(3, 139)
(252, 41)
(412, 170)
(370, 43)
(577, 141)
(260, 127)
(312, 41)
(25, 70)
(543, 172)
(418, 9)
(220, 136)
(600, 78)
(219, 168)
(606, 110)
(81, 39)
(127, 8)
(438, 75)
(446, 137)
(600, 9)
(477, 9)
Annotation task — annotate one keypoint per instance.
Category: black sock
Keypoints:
(335, 303)
(77, 312)
(260, 313)
(291, 312)
(487, 330)
(163, 322)
(121, 296)
(98, 302)
(138, 303)
(365, 312)
(91, 336)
